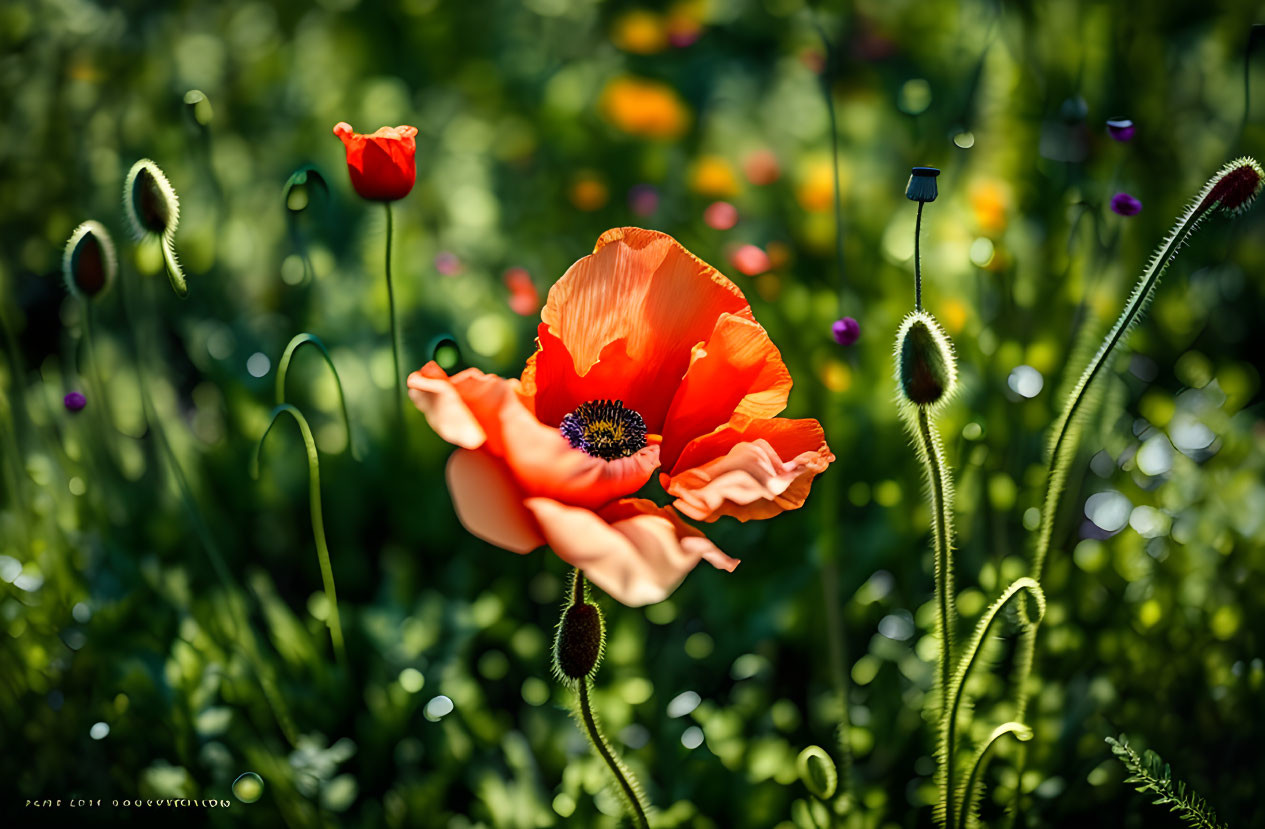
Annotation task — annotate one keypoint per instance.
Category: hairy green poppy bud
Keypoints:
(89, 264)
(151, 204)
(925, 366)
(818, 772)
(153, 211)
(578, 646)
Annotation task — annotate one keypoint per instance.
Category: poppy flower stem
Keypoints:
(395, 337)
(318, 524)
(628, 785)
(98, 385)
(918, 259)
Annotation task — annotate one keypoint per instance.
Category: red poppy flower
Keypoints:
(648, 359)
(381, 165)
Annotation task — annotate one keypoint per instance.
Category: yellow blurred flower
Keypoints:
(816, 190)
(989, 202)
(714, 177)
(589, 193)
(640, 32)
(835, 375)
(953, 313)
(644, 107)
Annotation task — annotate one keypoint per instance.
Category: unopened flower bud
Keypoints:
(818, 772)
(151, 204)
(89, 263)
(925, 366)
(578, 646)
(1234, 187)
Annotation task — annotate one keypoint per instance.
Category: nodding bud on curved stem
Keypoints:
(926, 367)
(1234, 187)
(89, 263)
(153, 211)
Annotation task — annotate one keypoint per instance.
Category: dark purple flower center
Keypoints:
(605, 429)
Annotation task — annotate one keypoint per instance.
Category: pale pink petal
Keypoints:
(488, 502)
(636, 560)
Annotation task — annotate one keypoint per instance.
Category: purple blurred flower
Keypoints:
(75, 401)
(1125, 205)
(447, 263)
(643, 199)
(846, 331)
(1120, 129)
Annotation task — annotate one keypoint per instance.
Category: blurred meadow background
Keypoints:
(131, 667)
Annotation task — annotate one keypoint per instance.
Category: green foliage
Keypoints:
(1149, 773)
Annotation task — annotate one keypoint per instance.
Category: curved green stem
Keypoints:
(627, 782)
(971, 654)
(174, 272)
(971, 795)
(284, 366)
(318, 524)
(395, 337)
(834, 153)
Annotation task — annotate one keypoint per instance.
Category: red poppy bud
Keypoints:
(381, 165)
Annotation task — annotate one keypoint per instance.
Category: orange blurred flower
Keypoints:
(646, 108)
(761, 167)
(381, 165)
(589, 193)
(647, 359)
(988, 202)
(640, 32)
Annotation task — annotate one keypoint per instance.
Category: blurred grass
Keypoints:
(112, 613)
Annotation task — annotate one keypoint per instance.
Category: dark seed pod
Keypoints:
(89, 264)
(925, 366)
(578, 647)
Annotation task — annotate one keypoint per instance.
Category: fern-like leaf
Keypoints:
(1149, 773)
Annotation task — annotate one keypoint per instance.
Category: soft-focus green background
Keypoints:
(110, 612)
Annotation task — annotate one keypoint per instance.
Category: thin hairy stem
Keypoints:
(395, 335)
(940, 489)
(974, 786)
(318, 523)
(628, 786)
(284, 366)
(918, 258)
(967, 661)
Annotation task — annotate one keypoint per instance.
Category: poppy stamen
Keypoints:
(605, 429)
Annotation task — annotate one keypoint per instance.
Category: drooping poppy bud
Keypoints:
(150, 202)
(382, 165)
(153, 211)
(925, 365)
(578, 646)
(89, 263)
(1235, 186)
(818, 772)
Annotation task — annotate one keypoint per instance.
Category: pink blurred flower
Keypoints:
(720, 215)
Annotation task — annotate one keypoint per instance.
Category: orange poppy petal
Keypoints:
(735, 377)
(472, 410)
(463, 409)
(637, 560)
(489, 503)
(756, 472)
(643, 288)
